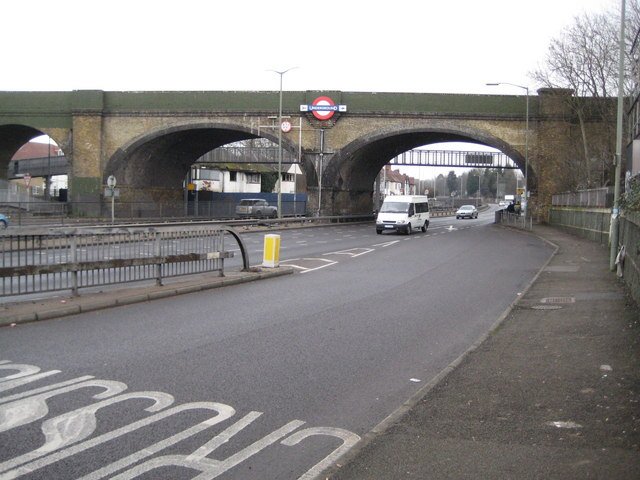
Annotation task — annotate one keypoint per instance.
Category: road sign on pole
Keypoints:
(111, 184)
(286, 126)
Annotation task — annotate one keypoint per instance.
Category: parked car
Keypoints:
(256, 207)
(4, 221)
(467, 211)
(503, 203)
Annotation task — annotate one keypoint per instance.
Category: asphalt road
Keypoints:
(268, 380)
(310, 241)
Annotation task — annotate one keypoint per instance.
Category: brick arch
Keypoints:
(15, 136)
(161, 158)
(12, 137)
(351, 172)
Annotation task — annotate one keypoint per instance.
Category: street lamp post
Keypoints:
(281, 73)
(615, 213)
(526, 140)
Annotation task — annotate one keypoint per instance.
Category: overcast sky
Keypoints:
(440, 46)
(445, 46)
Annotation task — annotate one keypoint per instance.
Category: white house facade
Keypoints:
(223, 180)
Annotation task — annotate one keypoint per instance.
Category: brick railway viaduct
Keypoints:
(148, 140)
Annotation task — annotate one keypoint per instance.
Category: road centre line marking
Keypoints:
(293, 265)
(351, 252)
(318, 268)
(288, 263)
(386, 244)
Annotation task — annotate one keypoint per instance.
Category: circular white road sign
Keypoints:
(286, 126)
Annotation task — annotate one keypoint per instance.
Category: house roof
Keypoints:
(247, 167)
(397, 177)
(36, 150)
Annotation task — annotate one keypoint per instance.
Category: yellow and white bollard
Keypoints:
(271, 256)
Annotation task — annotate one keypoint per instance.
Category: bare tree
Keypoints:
(584, 58)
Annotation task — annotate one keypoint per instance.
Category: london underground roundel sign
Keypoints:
(323, 108)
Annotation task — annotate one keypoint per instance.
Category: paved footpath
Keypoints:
(552, 393)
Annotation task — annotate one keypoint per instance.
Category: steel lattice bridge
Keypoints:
(454, 158)
(417, 157)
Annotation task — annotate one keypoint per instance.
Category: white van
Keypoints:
(403, 213)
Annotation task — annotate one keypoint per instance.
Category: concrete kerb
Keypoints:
(51, 308)
(415, 399)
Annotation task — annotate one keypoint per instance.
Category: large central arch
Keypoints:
(162, 157)
(351, 172)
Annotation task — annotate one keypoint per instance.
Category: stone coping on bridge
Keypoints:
(259, 102)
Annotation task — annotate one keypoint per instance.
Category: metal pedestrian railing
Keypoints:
(70, 260)
(516, 220)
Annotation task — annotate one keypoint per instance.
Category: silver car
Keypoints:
(467, 211)
(256, 207)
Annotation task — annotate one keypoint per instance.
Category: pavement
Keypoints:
(551, 392)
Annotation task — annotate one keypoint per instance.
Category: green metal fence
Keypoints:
(591, 223)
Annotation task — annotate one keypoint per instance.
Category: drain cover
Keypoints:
(560, 300)
(546, 307)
